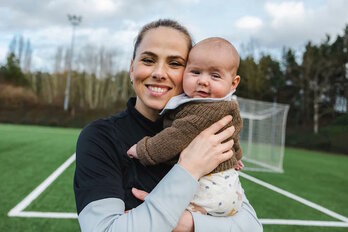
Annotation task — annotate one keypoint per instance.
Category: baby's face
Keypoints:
(209, 73)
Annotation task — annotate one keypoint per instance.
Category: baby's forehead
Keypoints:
(216, 42)
(215, 50)
(216, 45)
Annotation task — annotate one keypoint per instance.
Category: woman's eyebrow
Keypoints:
(149, 53)
(177, 57)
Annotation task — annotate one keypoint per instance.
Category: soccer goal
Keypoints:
(263, 135)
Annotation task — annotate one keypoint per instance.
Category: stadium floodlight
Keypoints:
(263, 135)
(75, 21)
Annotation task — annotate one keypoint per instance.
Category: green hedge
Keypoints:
(47, 115)
(332, 138)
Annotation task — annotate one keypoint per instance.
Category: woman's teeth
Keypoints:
(157, 89)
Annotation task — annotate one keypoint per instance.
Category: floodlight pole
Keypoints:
(75, 21)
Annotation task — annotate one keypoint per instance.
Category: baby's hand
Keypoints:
(239, 166)
(132, 152)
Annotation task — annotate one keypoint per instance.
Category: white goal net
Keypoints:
(263, 135)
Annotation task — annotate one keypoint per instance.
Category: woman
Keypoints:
(105, 176)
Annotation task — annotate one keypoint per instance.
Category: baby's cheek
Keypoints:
(188, 86)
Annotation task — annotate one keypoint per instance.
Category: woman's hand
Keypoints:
(185, 223)
(207, 151)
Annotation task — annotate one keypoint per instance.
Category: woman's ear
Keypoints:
(131, 70)
(235, 82)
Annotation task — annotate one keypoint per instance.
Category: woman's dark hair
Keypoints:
(161, 23)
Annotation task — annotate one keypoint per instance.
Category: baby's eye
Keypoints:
(216, 75)
(195, 72)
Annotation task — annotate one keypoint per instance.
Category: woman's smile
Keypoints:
(157, 90)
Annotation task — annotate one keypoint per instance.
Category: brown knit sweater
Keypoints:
(182, 125)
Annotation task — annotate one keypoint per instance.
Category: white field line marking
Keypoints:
(296, 198)
(39, 189)
(17, 211)
(303, 223)
(36, 214)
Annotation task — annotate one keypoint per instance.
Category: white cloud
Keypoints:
(269, 24)
(249, 22)
(45, 42)
(105, 6)
(190, 1)
(33, 14)
(285, 12)
(293, 24)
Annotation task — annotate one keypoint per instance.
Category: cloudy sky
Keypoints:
(252, 25)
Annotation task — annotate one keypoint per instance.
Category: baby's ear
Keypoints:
(235, 82)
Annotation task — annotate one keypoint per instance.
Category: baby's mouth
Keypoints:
(202, 94)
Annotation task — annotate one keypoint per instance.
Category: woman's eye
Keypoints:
(147, 60)
(176, 64)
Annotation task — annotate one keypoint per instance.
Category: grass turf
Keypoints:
(29, 154)
(319, 177)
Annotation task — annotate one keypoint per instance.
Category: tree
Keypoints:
(322, 65)
(292, 91)
(269, 70)
(346, 66)
(336, 72)
(12, 73)
(251, 85)
(22, 51)
(27, 57)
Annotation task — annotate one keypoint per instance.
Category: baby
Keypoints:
(210, 78)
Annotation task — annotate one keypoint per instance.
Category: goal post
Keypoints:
(263, 135)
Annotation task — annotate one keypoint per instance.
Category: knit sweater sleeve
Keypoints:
(237, 123)
(169, 142)
(189, 121)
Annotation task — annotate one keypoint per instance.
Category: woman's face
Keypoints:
(157, 69)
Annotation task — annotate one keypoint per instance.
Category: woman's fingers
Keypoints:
(225, 156)
(139, 194)
(213, 129)
(223, 147)
(208, 149)
(225, 134)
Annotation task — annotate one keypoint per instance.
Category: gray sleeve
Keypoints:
(160, 211)
(244, 220)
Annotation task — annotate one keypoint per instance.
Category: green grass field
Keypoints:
(29, 154)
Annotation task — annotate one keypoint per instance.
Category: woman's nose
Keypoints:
(159, 72)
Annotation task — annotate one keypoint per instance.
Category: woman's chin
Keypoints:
(158, 104)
